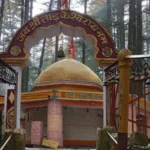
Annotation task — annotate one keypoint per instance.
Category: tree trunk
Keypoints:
(57, 37)
(85, 7)
(117, 28)
(109, 19)
(25, 73)
(56, 48)
(83, 52)
(132, 27)
(44, 43)
(31, 8)
(69, 4)
(84, 46)
(118, 44)
(50, 5)
(1, 16)
(148, 46)
(58, 4)
(42, 56)
(26, 16)
(147, 28)
(139, 27)
(10, 20)
(121, 26)
(22, 12)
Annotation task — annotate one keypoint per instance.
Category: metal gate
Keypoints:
(139, 97)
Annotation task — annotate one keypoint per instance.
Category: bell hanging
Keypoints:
(60, 53)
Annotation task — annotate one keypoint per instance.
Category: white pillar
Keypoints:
(18, 98)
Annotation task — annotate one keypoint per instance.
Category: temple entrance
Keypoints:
(81, 89)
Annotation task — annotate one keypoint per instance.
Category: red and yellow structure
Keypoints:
(64, 89)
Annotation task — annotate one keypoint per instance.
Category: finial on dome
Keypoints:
(60, 53)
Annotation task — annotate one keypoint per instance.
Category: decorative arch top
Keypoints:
(53, 23)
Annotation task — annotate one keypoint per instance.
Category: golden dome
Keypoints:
(68, 69)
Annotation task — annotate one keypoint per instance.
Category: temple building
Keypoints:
(66, 102)
(65, 105)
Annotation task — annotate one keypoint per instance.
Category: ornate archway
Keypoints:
(53, 23)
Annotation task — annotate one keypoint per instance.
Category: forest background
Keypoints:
(127, 21)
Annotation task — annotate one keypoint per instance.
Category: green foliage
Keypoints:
(138, 138)
(17, 141)
(89, 56)
(11, 22)
(103, 140)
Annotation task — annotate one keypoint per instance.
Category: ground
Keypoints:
(59, 149)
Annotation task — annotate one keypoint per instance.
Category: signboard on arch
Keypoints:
(75, 23)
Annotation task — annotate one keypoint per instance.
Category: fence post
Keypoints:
(124, 68)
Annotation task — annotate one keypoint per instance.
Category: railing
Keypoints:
(139, 98)
(112, 138)
(5, 143)
(111, 73)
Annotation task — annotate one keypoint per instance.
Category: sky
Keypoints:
(39, 6)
